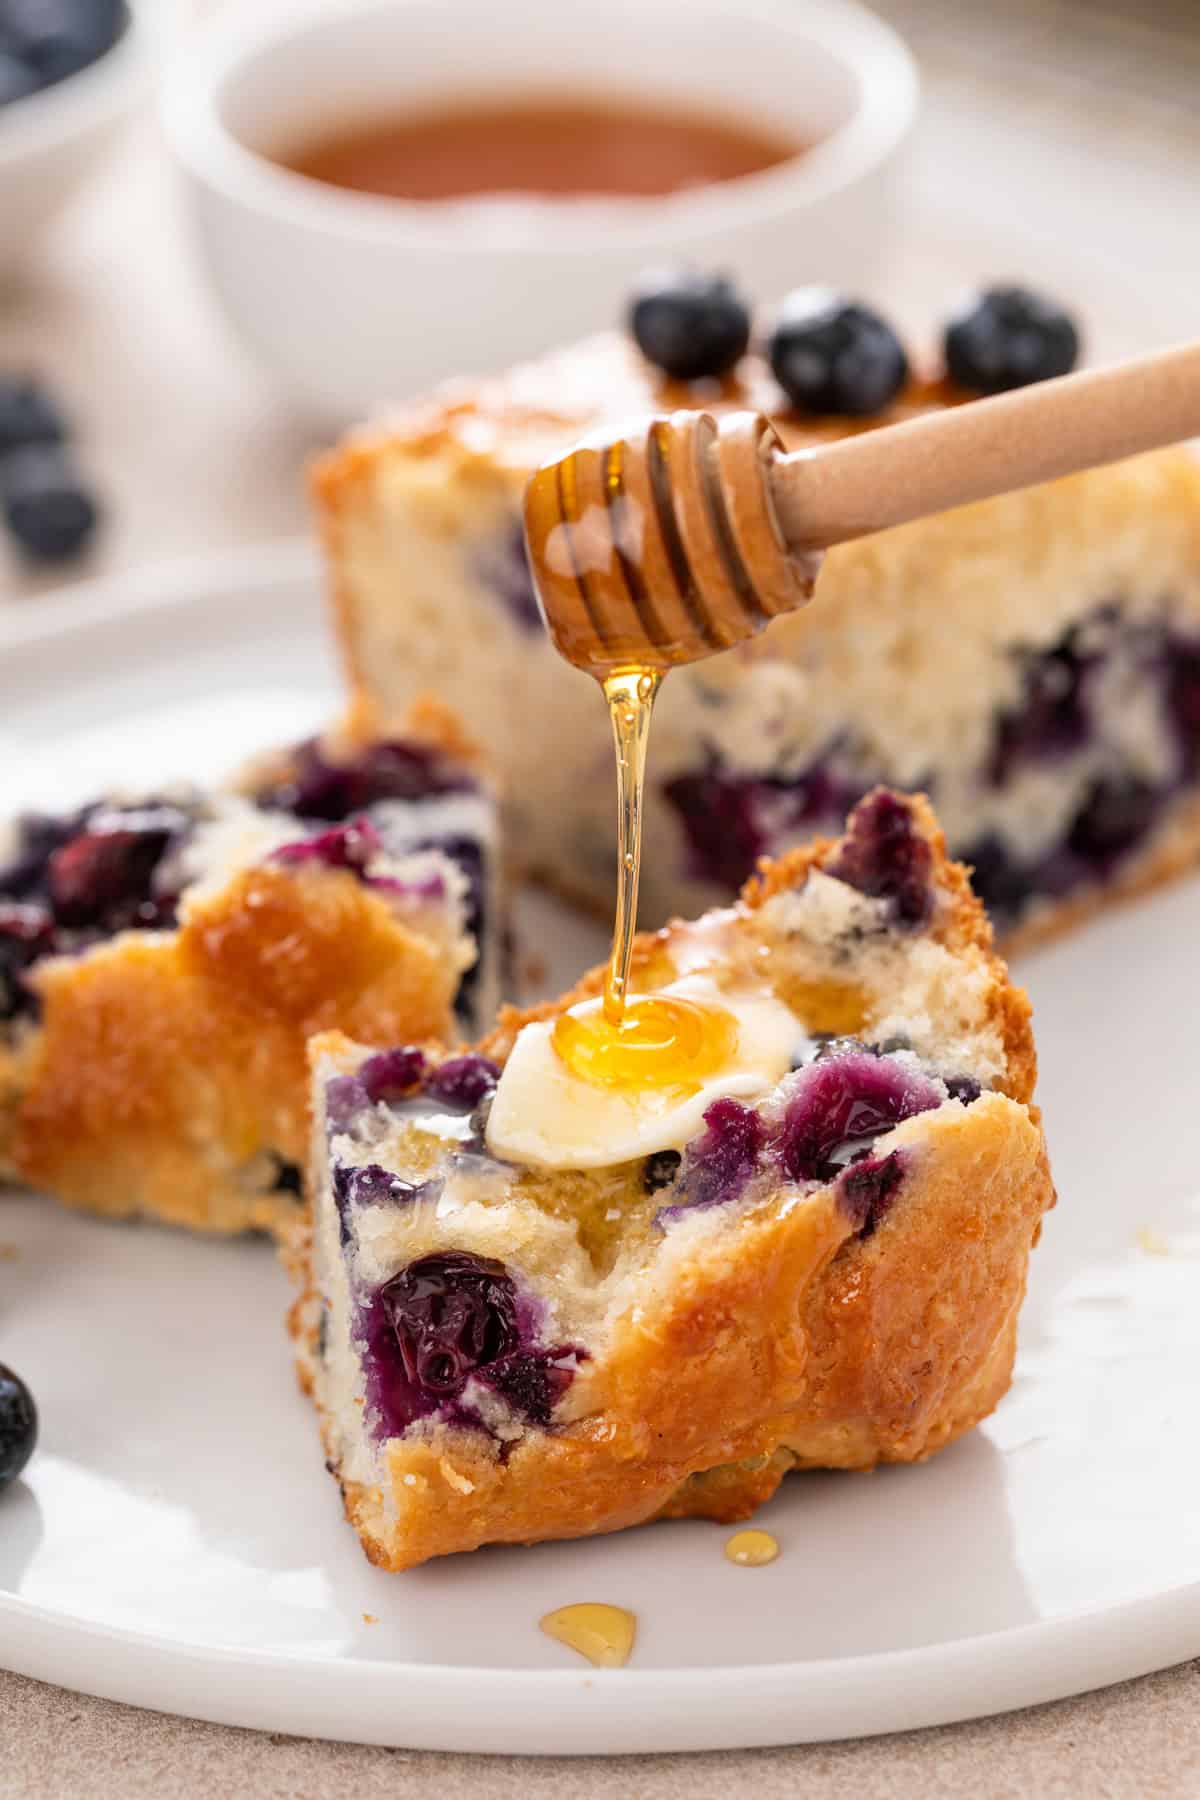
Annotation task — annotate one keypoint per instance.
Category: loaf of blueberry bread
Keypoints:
(1033, 663)
(163, 959)
(537, 1307)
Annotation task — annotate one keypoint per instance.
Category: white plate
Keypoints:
(175, 1543)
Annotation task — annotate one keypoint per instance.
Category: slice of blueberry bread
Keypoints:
(538, 1306)
(1033, 663)
(163, 960)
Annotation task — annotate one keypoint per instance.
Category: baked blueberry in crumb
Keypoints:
(731, 820)
(840, 1104)
(463, 1082)
(868, 1188)
(26, 933)
(369, 1184)
(1006, 337)
(502, 566)
(689, 325)
(18, 1426)
(346, 1099)
(289, 1177)
(445, 1320)
(317, 788)
(104, 877)
(391, 1074)
(532, 1383)
(885, 857)
(660, 1170)
(832, 355)
(451, 1313)
(719, 1164)
(75, 879)
(353, 846)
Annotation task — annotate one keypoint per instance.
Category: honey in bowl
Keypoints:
(580, 146)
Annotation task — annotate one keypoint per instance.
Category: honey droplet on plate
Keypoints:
(602, 1634)
(751, 1549)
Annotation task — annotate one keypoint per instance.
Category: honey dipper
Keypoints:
(687, 533)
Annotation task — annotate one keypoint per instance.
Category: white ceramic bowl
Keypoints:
(354, 299)
(49, 141)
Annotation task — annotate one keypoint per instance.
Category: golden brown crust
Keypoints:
(169, 1070)
(511, 417)
(166, 1065)
(781, 1339)
(789, 1343)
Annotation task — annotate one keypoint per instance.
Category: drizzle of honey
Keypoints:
(752, 1549)
(630, 694)
(660, 1041)
(655, 1040)
(603, 1634)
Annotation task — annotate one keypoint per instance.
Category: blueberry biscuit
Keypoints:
(163, 959)
(538, 1306)
(1032, 662)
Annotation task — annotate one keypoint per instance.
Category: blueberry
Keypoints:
(452, 1313)
(27, 413)
(831, 355)
(369, 1184)
(884, 856)
(316, 788)
(1115, 813)
(532, 1382)
(660, 1170)
(1000, 880)
(392, 1074)
(868, 1188)
(17, 80)
(1006, 337)
(1052, 717)
(464, 1082)
(48, 510)
(352, 846)
(687, 324)
(446, 1319)
(346, 1099)
(730, 820)
(502, 566)
(57, 38)
(18, 1426)
(718, 1165)
(103, 878)
(840, 1104)
(289, 1177)
(26, 933)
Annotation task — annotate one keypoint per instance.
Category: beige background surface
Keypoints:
(1060, 144)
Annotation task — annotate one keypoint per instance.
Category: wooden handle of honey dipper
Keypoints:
(844, 490)
(682, 535)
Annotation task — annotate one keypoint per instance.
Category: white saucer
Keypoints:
(175, 1543)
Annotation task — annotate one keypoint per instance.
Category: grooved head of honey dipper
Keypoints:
(658, 545)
